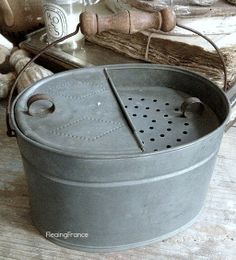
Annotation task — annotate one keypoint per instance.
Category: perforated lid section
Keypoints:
(87, 118)
(154, 108)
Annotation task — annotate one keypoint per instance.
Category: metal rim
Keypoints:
(134, 155)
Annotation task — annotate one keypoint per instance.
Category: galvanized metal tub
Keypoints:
(85, 170)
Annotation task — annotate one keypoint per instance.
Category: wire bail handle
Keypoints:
(11, 131)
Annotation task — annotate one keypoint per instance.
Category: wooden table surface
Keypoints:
(213, 236)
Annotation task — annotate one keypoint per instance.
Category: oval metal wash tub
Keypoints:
(108, 153)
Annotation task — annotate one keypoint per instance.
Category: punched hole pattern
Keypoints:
(155, 106)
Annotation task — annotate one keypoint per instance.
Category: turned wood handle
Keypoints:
(127, 22)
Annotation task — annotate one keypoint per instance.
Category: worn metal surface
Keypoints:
(98, 124)
(106, 186)
(211, 237)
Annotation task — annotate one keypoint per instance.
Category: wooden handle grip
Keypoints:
(127, 22)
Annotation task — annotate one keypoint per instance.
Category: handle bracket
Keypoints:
(192, 105)
(41, 112)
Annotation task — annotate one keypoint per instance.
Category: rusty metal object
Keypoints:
(17, 18)
(127, 21)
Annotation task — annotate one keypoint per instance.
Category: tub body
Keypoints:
(115, 202)
(132, 202)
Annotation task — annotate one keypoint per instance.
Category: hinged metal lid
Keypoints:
(118, 110)
(86, 118)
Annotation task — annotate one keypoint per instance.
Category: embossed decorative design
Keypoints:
(64, 130)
